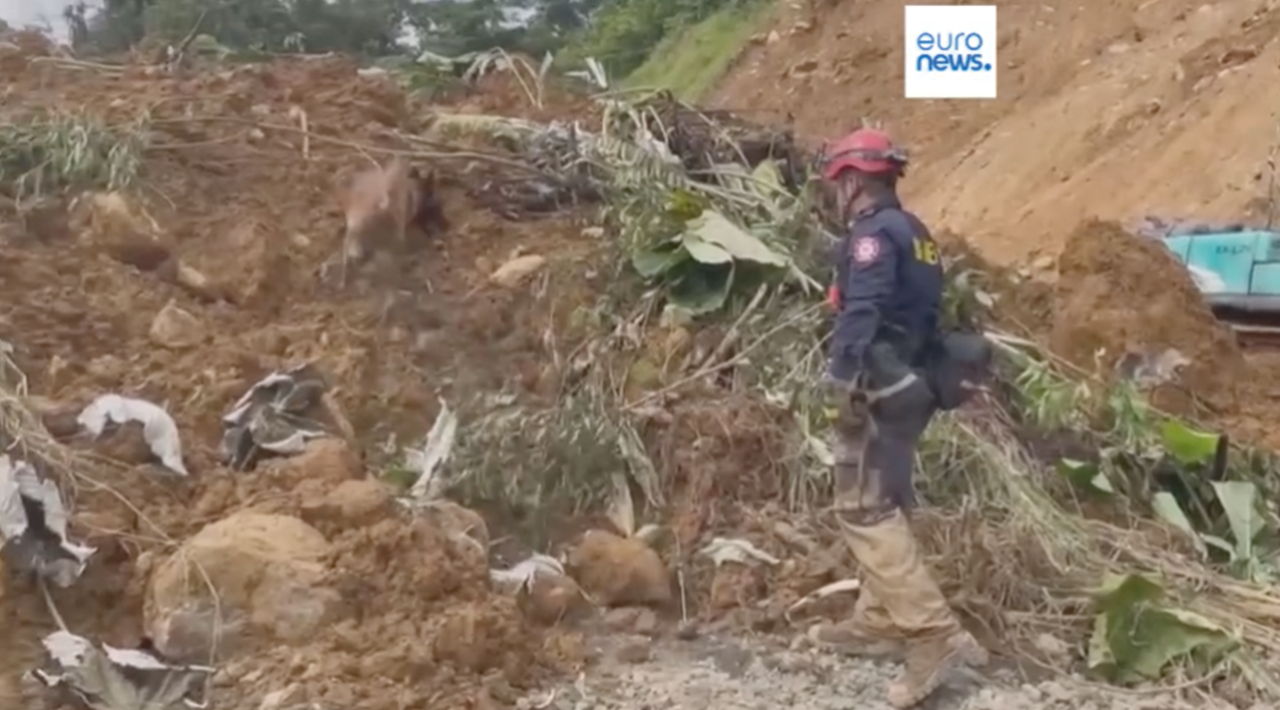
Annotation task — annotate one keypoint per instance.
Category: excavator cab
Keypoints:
(1238, 271)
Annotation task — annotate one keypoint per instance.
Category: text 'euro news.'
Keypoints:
(950, 52)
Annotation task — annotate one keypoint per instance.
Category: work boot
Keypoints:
(929, 660)
(854, 639)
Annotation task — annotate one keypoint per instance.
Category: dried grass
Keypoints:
(1025, 562)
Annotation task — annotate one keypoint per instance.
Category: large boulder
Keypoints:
(249, 577)
(619, 571)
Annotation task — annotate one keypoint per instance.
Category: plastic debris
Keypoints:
(522, 576)
(844, 585)
(428, 460)
(158, 428)
(33, 522)
(276, 415)
(107, 678)
(722, 549)
(1152, 368)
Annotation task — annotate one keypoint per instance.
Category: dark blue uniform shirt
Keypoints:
(890, 281)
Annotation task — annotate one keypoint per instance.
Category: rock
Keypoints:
(353, 503)
(516, 270)
(111, 223)
(805, 67)
(248, 265)
(277, 699)
(636, 649)
(646, 623)
(619, 571)
(622, 619)
(266, 570)
(176, 329)
(1053, 648)
(736, 585)
(552, 599)
(457, 520)
(1044, 263)
(193, 280)
(688, 630)
(773, 37)
(632, 619)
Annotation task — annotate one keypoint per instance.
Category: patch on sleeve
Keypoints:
(866, 250)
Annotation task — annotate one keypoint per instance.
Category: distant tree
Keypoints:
(619, 32)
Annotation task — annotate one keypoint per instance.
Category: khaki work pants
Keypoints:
(875, 454)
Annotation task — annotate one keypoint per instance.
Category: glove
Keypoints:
(833, 385)
(840, 396)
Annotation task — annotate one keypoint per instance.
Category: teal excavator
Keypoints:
(1237, 268)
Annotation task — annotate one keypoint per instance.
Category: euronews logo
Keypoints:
(950, 52)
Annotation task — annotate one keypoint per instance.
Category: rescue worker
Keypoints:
(888, 294)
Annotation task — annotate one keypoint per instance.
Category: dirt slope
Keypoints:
(233, 188)
(1110, 109)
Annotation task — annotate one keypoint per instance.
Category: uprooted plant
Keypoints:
(726, 228)
(47, 153)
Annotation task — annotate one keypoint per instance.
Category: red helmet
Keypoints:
(865, 150)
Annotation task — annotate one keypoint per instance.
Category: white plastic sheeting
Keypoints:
(107, 678)
(33, 522)
(158, 428)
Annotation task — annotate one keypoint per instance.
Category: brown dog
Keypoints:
(380, 206)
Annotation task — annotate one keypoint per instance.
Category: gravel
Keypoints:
(712, 673)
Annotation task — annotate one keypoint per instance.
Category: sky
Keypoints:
(23, 12)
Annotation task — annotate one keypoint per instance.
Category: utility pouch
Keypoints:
(957, 364)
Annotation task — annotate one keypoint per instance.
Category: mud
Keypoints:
(1117, 292)
(206, 277)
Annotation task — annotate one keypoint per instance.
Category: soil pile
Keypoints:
(1118, 293)
(1102, 105)
(208, 274)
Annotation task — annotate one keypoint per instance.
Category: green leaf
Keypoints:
(1240, 503)
(1165, 635)
(659, 260)
(700, 288)
(715, 228)
(1186, 445)
(1122, 591)
(1166, 508)
(767, 179)
(684, 205)
(1136, 637)
(706, 252)
(1085, 475)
